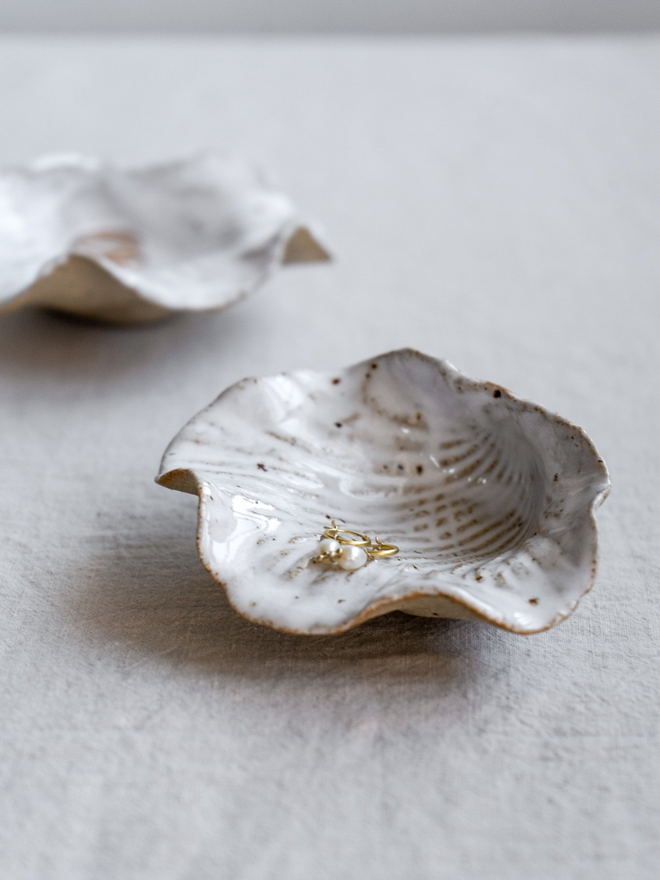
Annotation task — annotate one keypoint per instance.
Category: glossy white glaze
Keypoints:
(134, 246)
(489, 498)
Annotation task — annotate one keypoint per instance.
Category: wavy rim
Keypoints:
(92, 164)
(188, 477)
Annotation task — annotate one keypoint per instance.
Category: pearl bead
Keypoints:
(352, 558)
(328, 546)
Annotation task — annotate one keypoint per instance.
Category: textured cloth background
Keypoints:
(496, 203)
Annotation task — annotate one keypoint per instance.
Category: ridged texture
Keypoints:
(489, 498)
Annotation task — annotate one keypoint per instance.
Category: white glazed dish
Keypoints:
(490, 498)
(134, 246)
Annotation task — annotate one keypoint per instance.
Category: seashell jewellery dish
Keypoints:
(398, 484)
(82, 236)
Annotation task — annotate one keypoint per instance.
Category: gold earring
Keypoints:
(349, 549)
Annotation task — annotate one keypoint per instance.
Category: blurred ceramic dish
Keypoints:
(490, 499)
(81, 236)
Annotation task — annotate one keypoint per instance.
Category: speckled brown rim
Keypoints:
(185, 480)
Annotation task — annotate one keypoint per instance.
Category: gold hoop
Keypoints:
(380, 550)
(375, 549)
(334, 533)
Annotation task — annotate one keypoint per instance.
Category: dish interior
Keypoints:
(396, 449)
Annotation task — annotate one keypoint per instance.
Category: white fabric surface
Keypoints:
(496, 203)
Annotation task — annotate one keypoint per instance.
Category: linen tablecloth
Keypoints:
(492, 201)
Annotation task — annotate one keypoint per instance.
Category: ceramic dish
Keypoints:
(490, 499)
(84, 237)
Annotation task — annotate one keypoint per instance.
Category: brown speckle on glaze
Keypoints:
(469, 523)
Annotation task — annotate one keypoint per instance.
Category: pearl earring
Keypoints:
(350, 553)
